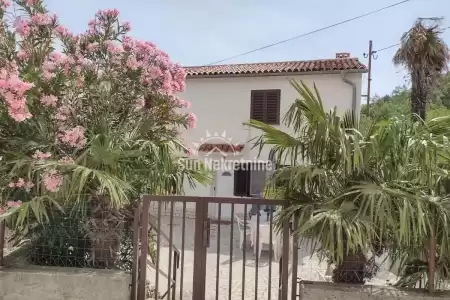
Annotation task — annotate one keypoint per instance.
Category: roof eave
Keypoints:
(328, 72)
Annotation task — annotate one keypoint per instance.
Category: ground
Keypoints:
(309, 266)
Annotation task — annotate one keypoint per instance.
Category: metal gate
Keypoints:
(176, 257)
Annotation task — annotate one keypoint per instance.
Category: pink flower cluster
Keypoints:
(22, 55)
(52, 180)
(63, 113)
(49, 100)
(107, 13)
(192, 120)
(140, 103)
(22, 27)
(113, 47)
(20, 183)
(74, 137)
(14, 204)
(39, 155)
(183, 103)
(5, 3)
(13, 90)
(41, 19)
(63, 32)
(66, 160)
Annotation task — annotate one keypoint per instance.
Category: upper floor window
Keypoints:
(265, 106)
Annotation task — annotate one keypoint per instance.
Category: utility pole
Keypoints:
(370, 55)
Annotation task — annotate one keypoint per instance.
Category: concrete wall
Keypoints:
(324, 291)
(49, 283)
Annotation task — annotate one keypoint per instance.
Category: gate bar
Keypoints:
(294, 258)
(244, 251)
(144, 252)
(230, 275)
(219, 217)
(135, 266)
(183, 229)
(169, 284)
(258, 211)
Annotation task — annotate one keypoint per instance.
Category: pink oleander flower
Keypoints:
(49, 100)
(28, 186)
(14, 204)
(20, 183)
(132, 63)
(13, 89)
(40, 155)
(74, 137)
(52, 180)
(63, 113)
(62, 31)
(22, 27)
(192, 120)
(12, 185)
(41, 19)
(187, 104)
(5, 3)
(22, 55)
(93, 47)
(113, 47)
(2, 210)
(67, 160)
(126, 26)
(108, 13)
(140, 104)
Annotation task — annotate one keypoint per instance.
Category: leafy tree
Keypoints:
(425, 55)
(359, 191)
(90, 128)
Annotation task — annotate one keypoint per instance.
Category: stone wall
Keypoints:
(52, 283)
(327, 291)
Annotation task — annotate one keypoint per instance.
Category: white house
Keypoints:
(225, 96)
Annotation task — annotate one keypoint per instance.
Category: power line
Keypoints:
(312, 32)
(398, 44)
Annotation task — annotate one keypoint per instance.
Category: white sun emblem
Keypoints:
(215, 139)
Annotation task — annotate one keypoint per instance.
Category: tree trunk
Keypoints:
(419, 94)
(352, 269)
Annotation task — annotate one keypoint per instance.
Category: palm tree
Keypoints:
(425, 55)
(356, 191)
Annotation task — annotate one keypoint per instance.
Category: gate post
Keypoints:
(201, 215)
(135, 266)
(144, 251)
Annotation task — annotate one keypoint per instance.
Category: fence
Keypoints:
(170, 253)
(99, 238)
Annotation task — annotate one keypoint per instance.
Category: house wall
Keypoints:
(223, 104)
(321, 290)
(52, 283)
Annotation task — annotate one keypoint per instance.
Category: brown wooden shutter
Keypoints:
(273, 107)
(257, 106)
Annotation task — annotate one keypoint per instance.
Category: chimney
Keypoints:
(343, 55)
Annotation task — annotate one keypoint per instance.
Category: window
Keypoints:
(265, 106)
(249, 179)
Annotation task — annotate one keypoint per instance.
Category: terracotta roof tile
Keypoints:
(225, 148)
(337, 64)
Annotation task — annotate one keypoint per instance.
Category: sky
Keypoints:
(199, 32)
